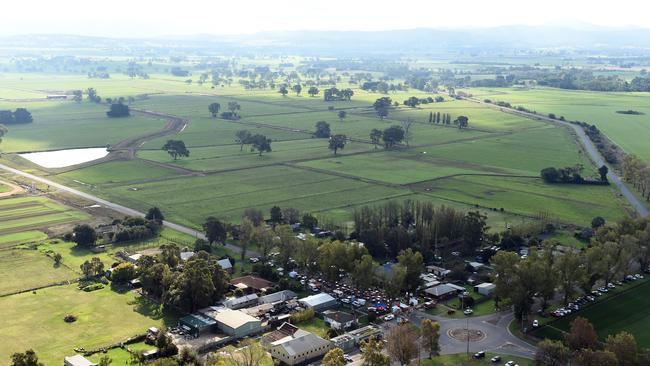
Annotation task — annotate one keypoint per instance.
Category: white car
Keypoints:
(389, 317)
(510, 363)
(535, 323)
(468, 312)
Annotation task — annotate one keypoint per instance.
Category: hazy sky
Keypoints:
(163, 17)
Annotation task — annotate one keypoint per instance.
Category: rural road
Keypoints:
(589, 147)
(117, 207)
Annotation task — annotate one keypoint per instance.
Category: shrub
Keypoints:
(302, 316)
(93, 287)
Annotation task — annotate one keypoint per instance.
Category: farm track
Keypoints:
(588, 146)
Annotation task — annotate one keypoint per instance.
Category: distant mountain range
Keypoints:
(416, 41)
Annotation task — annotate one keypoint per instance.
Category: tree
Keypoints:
(313, 91)
(3, 131)
(413, 263)
(360, 271)
(215, 230)
(597, 222)
(91, 95)
(243, 137)
(118, 110)
(297, 89)
(406, 125)
(309, 221)
(254, 215)
(603, 170)
(392, 136)
(375, 136)
(431, 336)
(342, 115)
(462, 122)
(77, 96)
(27, 358)
(550, 175)
(570, 273)
(551, 353)
(276, 215)
(337, 142)
(334, 357)
(623, 345)
(372, 354)
(582, 335)
(176, 148)
(124, 272)
(105, 361)
(155, 279)
(251, 354)
(234, 107)
(57, 258)
(588, 357)
(84, 235)
(322, 129)
(201, 283)
(283, 90)
(154, 214)
(94, 267)
(260, 143)
(22, 115)
(214, 109)
(291, 215)
(402, 343)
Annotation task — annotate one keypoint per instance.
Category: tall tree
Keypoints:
(313, 91)
(413, 263)
(372, 353)
(551, 353)
(362, 270)
(570, 273)
(334, 357)
(234, 108)
(176, 149)
(283, 90)
(337, 142)
(402, 343)
(342, 115)
(214, 109)
(243, 137)
(375, 136)
(215, 230)
(430, 337)
(249, 354)
(392, 136)
(462, 122)
(27, 358)
(84, 235)
(624, 346)
(260, 143)
(322, 129)
(155, 214)
(297, 89)
(603, 170)
(582, 335)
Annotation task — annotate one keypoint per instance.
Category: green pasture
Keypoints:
(35, 320)
(627, 311)
(630, 132)
(29, 213)
(530, 196)
(8, 240)
(65, 125)
(23, 269)
(117, 172)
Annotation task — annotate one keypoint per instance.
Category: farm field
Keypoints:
(29, 213)
(628, 131)
(530, 197)
(53, 122)
(104, 317)
(627, 311)
(24, 269)
(22, 237)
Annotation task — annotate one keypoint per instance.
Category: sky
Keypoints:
(147, 18)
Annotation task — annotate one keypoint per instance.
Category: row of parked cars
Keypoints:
(581, 301)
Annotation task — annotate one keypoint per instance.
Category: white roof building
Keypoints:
(225, 264)
(318, 302)
(77, 360)
(299, 347)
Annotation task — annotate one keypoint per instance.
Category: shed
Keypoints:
(225, 264)
(77, 360)
(252, 282)
(485, 289)
(344, 342)
(235, 303)
(198, 324)
(318, 302)
(237, 323)
(187, 255)
(277, 297)
(442, 291)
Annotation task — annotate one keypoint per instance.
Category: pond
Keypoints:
(65, 158)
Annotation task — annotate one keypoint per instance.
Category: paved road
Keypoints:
(117, 207)
(589, 147)
(498, 338)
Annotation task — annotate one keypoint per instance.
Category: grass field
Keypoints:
(104, 317)
(8, 240)
(54, 121)
(29, 213)
(627, 311)
(23, 269)
(628, 131)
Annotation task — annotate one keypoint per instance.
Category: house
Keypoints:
(299, 347)
(442, 291)
(318, 302)
(225, 264)
(476, 266)
(338, 319)
(134, 257)
(284, 330)
(253, 283)
(485, 289)
(77, 360)
(235, 303)
(236, 323)
(187, 255)
(278, 297)
(438, 271)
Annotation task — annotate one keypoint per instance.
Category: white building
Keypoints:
(485, 289)
(77, 360)
(318, 302)
(299, 347)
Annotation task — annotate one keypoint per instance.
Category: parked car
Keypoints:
(468, 312)
(480, 354)
(535, 323)
(495, 359)
(510, 363)
(347, 358)
(389, 317)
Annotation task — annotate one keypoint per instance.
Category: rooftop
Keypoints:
(338, 316)
(301, 342)
(283, 295)
(78, 360)
(233, 318)
(318, 299)
(256, 283)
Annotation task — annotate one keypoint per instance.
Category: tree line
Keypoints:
(18, 116)
(637, 172)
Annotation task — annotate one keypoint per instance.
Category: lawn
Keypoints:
(24, 269)
(117, 172)
(461, 359)
(627, 311)
(314, 325)
(104, 317)
(29, 236)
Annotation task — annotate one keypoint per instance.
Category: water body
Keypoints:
(65, 158)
